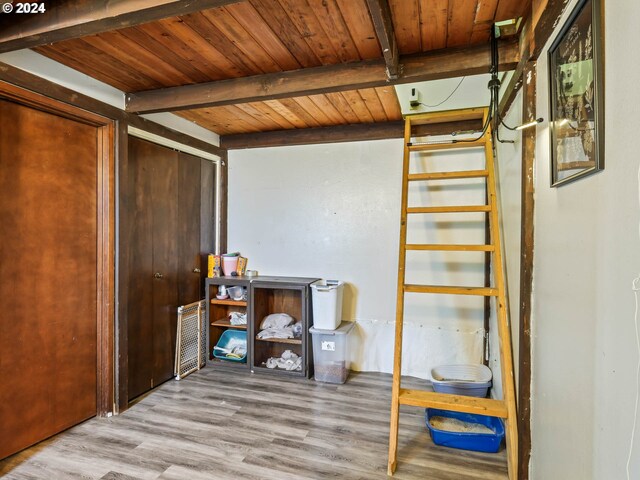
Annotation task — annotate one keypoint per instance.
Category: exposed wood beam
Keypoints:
(382, 22)
(526, 271)
(341, 133)
(20, 78)
(543, 18)
(79, 18)
(332, 78)
(546, 15)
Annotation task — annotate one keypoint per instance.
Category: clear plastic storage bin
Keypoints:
(330, 353)
(326, 296)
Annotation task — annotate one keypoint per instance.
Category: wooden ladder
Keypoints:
(505, 408)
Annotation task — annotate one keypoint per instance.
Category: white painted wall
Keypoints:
(587, 254)
(56, 72)
(332, 211)
(509, 169)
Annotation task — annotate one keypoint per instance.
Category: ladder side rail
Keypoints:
(397, 355)
(504, 331)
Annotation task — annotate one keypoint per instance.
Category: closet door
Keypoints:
(189, 262)
(152, 269)
(164, 195)
(48, 274)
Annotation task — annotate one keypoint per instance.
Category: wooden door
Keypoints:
(189, 262)
(208, 182)
(48, 274)
(164, 195)
(139, 242)
(153, 264)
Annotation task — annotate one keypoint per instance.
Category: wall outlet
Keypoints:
(329, 346)
(414, 99)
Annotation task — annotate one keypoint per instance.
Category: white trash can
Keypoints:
(326, 297)
(331, 353)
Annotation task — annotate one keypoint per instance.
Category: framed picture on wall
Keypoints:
(576, 79)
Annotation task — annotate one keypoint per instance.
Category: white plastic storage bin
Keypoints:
(330, 353)
(326, 296)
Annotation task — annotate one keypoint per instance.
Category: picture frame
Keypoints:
(576, 81)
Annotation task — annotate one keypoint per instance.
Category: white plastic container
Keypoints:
(472, 380)
(326, 297)
(330, 353)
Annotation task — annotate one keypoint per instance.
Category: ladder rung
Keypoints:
(481, 291)
(457, 403)
(450, 209)
(451, 248)
(448, 175)
(423, 147)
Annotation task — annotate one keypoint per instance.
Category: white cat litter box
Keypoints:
(472, 380)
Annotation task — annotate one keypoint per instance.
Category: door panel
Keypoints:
(207, 217)
(139, 241)
(165, 260)
(189, 229)
(48, 267)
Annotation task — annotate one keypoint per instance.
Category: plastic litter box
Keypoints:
(472, 380)
(229, 340)
(479, 442)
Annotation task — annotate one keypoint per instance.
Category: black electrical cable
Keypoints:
(450, 95)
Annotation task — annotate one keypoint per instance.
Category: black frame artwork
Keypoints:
(576, 80)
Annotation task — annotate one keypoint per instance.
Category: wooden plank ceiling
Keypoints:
(255, 37)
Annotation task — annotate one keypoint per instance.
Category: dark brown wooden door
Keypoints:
(153, 266)
(165, 260)
(139, 243)
(189, 267)
(48, 238)
(208, 182)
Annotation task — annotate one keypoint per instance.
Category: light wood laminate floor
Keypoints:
(223, 425)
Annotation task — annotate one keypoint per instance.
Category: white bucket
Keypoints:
(326, 296)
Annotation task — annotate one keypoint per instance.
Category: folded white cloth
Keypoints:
(276, 320)
(288, 361)
(285, 332)
(237, 318)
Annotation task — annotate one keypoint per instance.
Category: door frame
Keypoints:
(105, 259)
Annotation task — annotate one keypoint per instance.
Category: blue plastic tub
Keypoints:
(479, 442)
(228, 340)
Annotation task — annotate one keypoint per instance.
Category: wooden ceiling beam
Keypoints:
(543, 17)
(342, 133)
(79, 18)
(318, 80)
(381, 15)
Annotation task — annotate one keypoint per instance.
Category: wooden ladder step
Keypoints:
(413, 177)
(450, 209)
(480, 291)
(425, 147)
(456, 403)
(450, 248)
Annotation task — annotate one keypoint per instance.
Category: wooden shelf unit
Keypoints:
(235, 303)
(265, 295)
(225, 323)
(290, 341)
(290, 296)
(218, 315)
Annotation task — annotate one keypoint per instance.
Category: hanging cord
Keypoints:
(635, 286)
(450, 95)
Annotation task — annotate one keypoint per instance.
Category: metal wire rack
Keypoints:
(191, 343)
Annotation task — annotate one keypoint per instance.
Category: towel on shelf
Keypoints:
(279, 325)
(276, 320)
(287, 361)
(237, 318)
